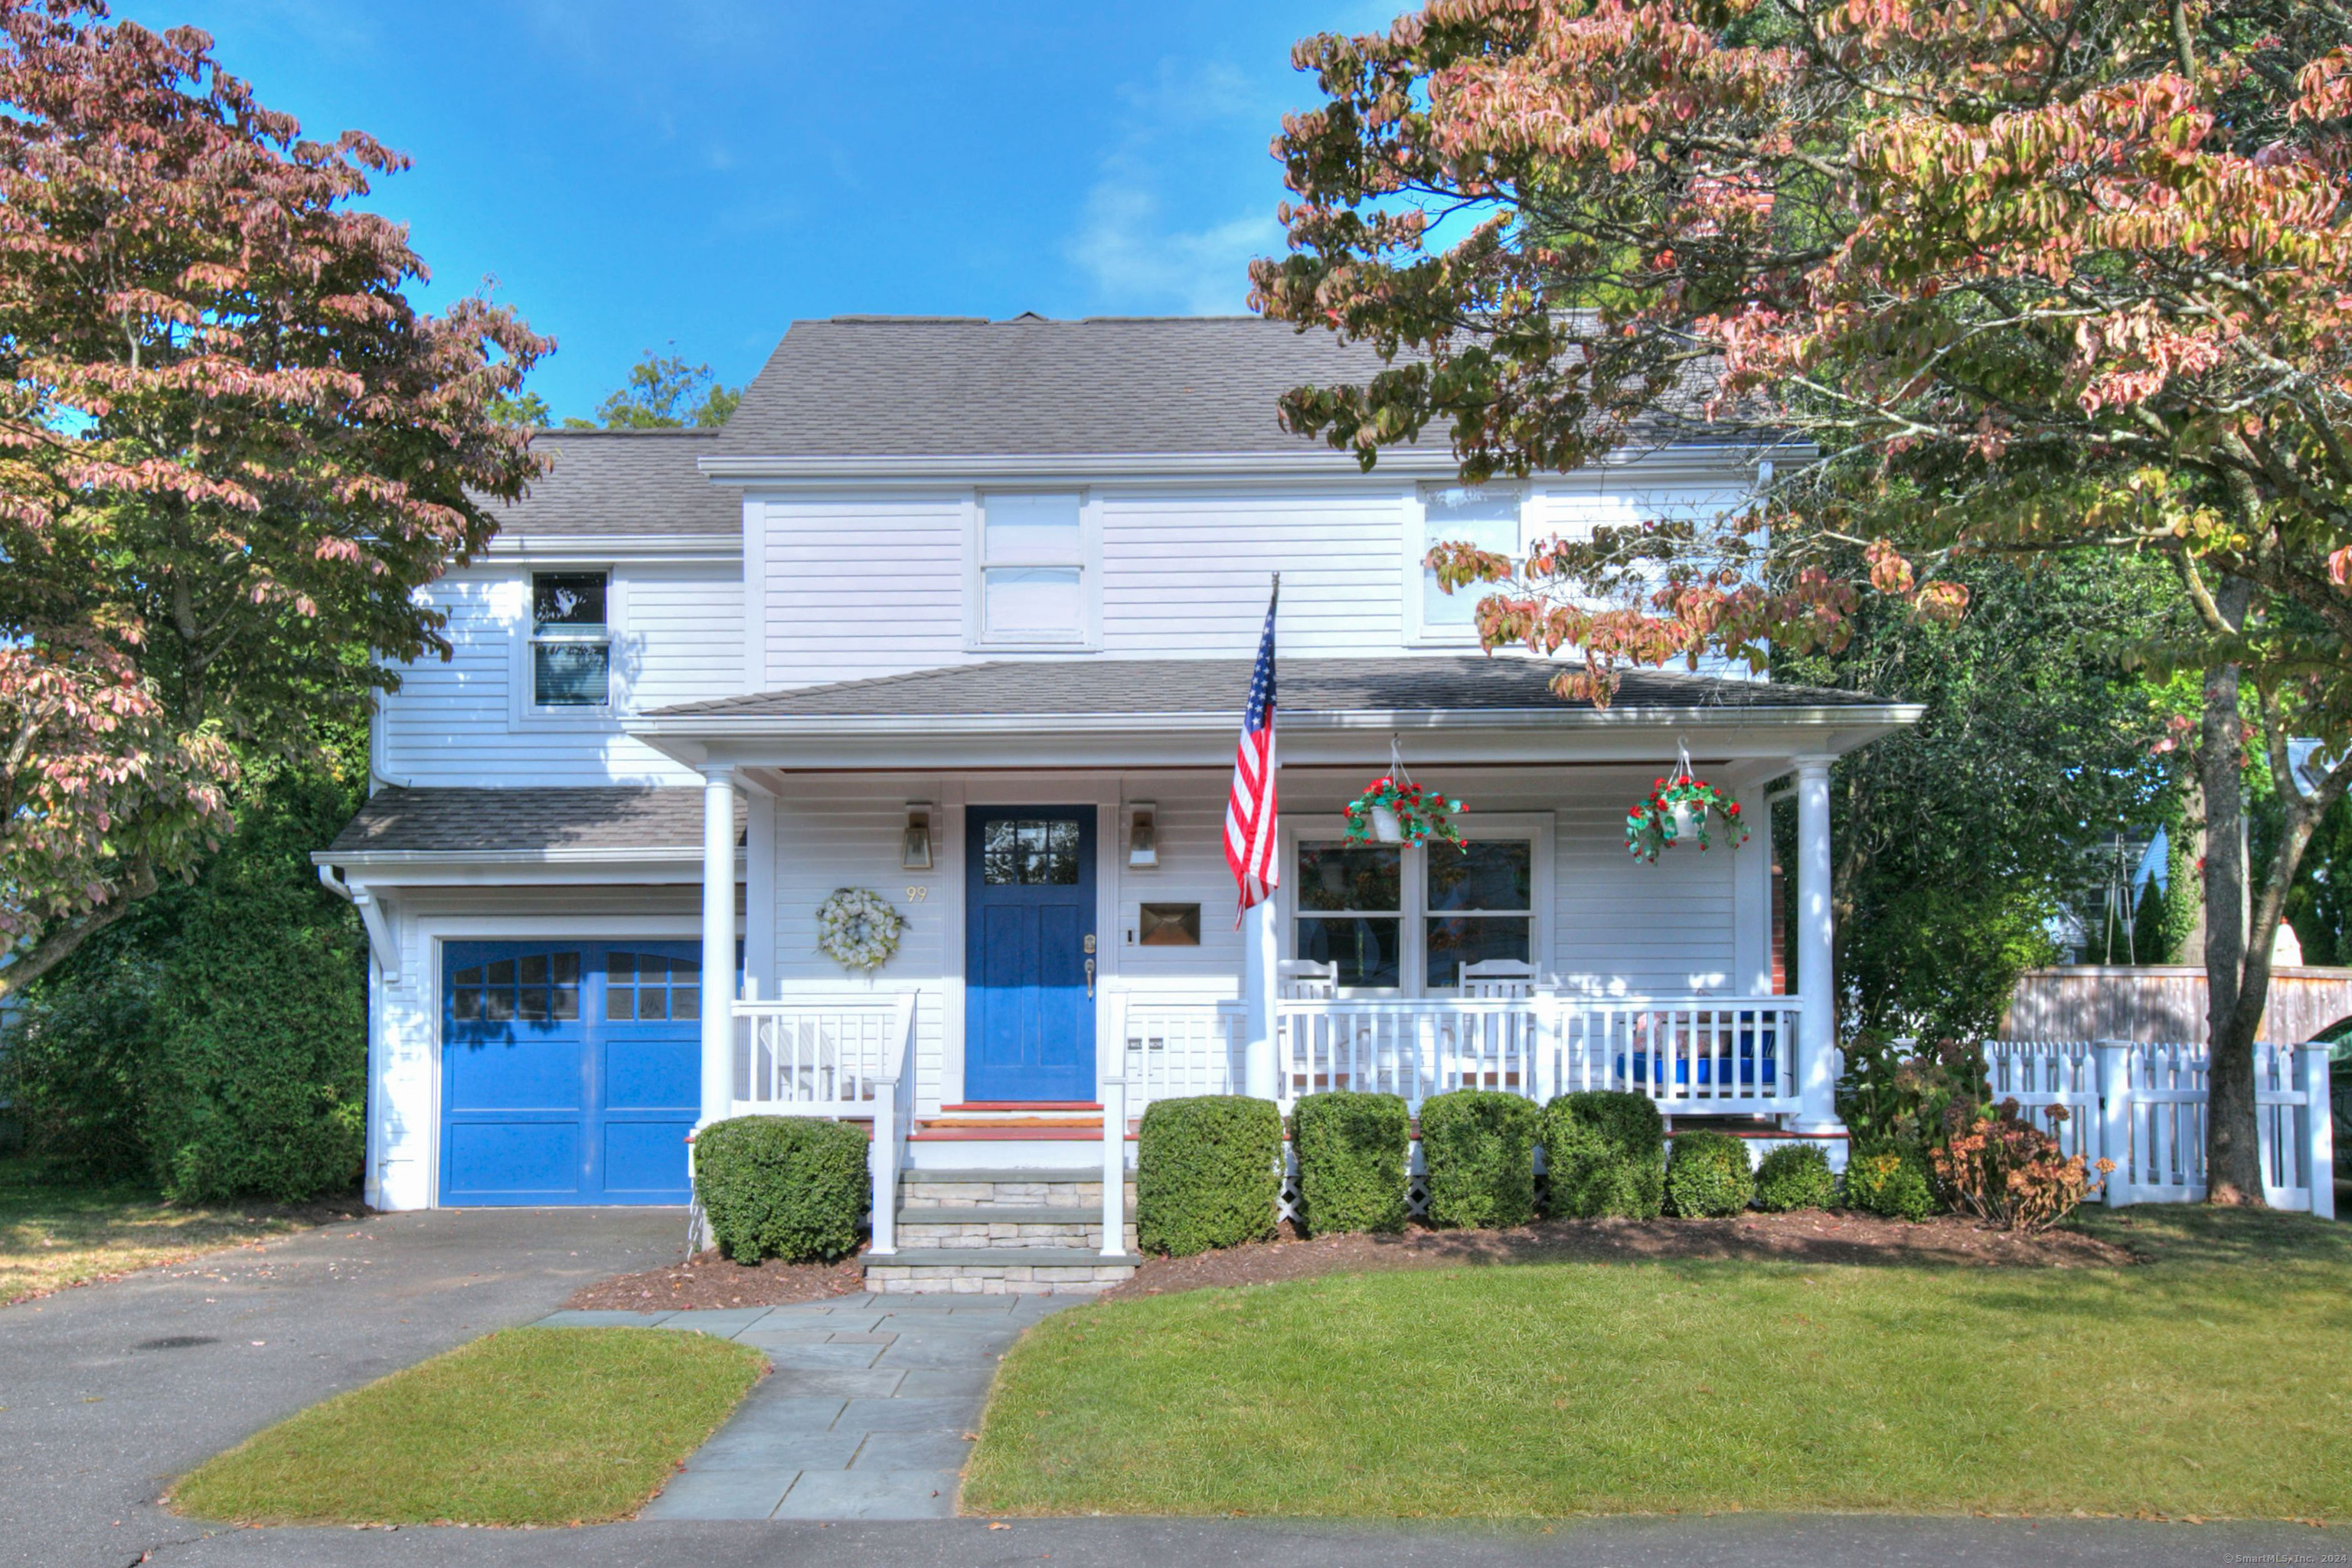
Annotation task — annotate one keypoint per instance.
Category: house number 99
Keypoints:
(917, 895)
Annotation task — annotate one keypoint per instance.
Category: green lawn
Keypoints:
(55, 1232)
(2215, 1381)
(526, 1427)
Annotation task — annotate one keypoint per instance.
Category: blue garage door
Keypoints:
(570, 1072)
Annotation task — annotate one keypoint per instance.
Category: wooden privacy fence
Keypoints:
(2142, 1104)
(2154, 1002)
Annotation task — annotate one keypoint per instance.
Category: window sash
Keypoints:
(1492, 518)
(1421, 941)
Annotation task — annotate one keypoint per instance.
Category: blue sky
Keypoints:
(706, 171)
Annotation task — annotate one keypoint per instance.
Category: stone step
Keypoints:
(998, 1271)
(988, 1192)
(997, 1213)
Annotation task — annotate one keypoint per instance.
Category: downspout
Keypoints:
(379, 930)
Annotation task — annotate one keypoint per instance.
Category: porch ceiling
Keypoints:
(1139, 712)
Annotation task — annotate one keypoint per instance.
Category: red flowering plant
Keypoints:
(1678, 808)
(1420, 815)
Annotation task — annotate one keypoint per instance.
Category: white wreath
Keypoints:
(857, 929)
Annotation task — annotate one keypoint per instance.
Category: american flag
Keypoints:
(1252, 823)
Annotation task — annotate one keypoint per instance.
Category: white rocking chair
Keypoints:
(1499, 977)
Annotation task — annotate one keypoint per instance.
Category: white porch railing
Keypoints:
(1736, 1057)
(2143, 1106)
(847, 1058)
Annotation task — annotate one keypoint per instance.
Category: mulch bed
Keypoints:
(1805, 1236)
(710, 1280)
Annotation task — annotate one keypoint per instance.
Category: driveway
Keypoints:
(108, 1392)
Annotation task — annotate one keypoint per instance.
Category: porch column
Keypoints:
(1816, 1017)
(1259, 945)
(717, 942)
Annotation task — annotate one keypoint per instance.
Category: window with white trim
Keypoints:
(1032, 570)
(1406, 921)
(570, 640)
(1487, 516)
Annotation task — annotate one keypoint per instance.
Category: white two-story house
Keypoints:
(963, 614)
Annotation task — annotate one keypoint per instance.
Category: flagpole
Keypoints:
(1261, 942)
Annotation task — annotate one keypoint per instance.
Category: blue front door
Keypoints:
(570, 1072)
(1029, 960)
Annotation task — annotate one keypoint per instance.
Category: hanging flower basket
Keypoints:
(1392, 813)
(858, 928)
(1677, 812)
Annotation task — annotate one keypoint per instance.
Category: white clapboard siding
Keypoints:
(677, 637)
(1187, 574)
(856, 588)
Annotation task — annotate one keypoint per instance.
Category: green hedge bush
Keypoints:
(1795, 1176)
(1478, 1148)
(258, 1086)
(1208, 1173)
(214, 1039)
(1889, 1181)
(1352, 1153)
(1606, 1155)
(792, 1187)
(1709, 1177)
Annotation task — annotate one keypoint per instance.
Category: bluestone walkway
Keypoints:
(873, 1406)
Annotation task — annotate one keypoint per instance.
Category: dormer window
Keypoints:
(1033, 579)
(571, 641)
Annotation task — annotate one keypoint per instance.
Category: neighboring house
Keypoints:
(963, 613)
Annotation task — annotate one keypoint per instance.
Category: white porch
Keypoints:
(1544, 960)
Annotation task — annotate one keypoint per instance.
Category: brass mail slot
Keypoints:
(1170, 925)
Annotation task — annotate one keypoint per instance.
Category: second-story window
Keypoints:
(1032, 569)
(1487, 516)
(570, 642)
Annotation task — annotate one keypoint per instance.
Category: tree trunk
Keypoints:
(2233, 1171)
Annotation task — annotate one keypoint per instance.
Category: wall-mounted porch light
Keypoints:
(915, 848)
(1142, 834)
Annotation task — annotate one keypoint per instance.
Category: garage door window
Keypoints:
(651, 986)
(539, 988)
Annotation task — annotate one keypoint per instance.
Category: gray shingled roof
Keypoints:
(932, 387)
(1055, 687)
(400, 820)
(623, 482)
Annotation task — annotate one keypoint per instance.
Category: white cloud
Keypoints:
(1128, 250)
(1185, 134)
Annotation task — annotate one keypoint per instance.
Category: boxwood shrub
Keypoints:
(1352, 1153)
(1709, 1177)
(1889, 1181)
(792, 1187)
(1479, 1146)
(1795, 1176)
(1208, 1173)
(1606, 1152)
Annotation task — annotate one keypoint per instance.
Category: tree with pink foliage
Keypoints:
(231, 450)
(2024, 277)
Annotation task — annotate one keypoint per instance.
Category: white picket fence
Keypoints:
(2143, 1106)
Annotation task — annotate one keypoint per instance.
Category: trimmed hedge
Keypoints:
(1479, 1146)
(1708, 1177)
(1606, 1153)
(792, 1187)
(1795, 1176)
(1352, 1154)
(1888, 1182)
(1208, 1173)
